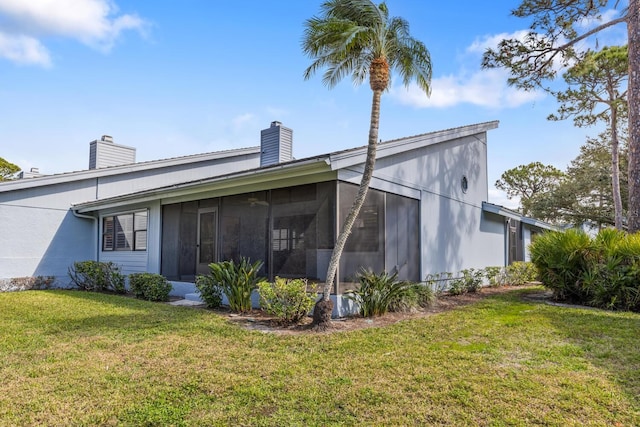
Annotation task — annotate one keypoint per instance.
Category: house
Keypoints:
(426, 211)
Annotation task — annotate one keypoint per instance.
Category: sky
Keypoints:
(174, 78)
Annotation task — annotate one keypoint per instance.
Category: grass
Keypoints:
(74, 358)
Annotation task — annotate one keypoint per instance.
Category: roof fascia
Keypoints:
(234, 181)
(349, 158)
(508, 213)
(119, 170)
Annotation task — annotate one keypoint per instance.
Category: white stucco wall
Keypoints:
(40, 235)
(455, 232)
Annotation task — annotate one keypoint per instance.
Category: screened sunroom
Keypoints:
(292, 230)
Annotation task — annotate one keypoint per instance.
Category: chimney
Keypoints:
(275, 144)
(104, 153)
(33, 173)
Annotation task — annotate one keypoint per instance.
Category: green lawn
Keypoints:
(73, 358)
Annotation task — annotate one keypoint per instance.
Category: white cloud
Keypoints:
(239, 121)
(24, 50)
(484, 88)
(95, 23)
(480, 45)
(499, 197)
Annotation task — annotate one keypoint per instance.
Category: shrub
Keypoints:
(439, 282)
(287, 299)
(520, 273)
(602, 272)
(469, 281)
(495, 275)
(377, 292)
(417, 295)
(210, 290)
(237, 281)
(97, 276)
(562, 258)
(149, 286)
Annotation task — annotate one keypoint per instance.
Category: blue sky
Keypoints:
(174, 78)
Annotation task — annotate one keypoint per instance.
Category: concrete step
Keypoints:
(194, 297)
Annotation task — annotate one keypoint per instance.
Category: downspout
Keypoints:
(507, 248)
(95, 225)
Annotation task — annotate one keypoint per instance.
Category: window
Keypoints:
(125, 232)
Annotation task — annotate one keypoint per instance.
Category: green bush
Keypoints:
(439, 282)
(416, 296)
(562, 258)
(150, 286)
(210, 290)
(377, 292)
(287, 299)
(237, 281)
(520, 273)
(495, 275)
(97, 276)
(470, 281)
(602, 272)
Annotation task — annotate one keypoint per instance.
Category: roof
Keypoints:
(318, 165)
(121, 169)
(509, 213)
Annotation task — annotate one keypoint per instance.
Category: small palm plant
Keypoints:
(377, 292)
(237, 281)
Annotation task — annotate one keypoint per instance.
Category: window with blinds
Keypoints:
(125, 232)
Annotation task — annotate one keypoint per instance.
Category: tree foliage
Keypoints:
(597, 92)
(584, 196)
(7, 170)
(525, 181)
(359, 38)
(557, 26)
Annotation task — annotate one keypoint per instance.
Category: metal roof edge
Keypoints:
(345, 158)
(273, 172)
(66, 177)
(508, 213)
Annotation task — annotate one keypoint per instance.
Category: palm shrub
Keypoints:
(613, 278)
(377, 292)
(237, 281)
(416, 296)
(149, 286)
(97, 276)
(288, 299)
(561, 259)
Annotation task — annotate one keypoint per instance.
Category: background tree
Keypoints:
(7, 170)
(551, 44)
(597, 92)
(584, 196)
(358, 38)
(525, 181)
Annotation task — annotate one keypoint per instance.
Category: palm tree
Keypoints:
(357, 37)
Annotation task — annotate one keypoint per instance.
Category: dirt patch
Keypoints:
(260, 321)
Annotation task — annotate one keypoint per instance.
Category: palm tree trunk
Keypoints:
(324, 307)
(615, 168)
(633, 30)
